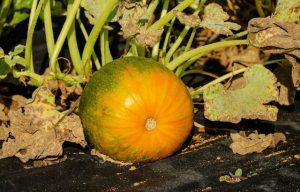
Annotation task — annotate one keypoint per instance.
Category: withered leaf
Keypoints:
(248, 102)
(148, 38)
(94, 9)
(254, 142)
(188, 20)
(287, 11)
(38, 130)
(214, 19)
(131, 17)
(274, 37)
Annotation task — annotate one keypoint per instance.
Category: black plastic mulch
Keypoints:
(275, 169)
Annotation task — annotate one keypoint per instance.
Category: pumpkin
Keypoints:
(136, 110)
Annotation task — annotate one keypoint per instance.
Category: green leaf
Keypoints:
(214, 19)
(22, 4)
(238, 172)
(4, 69)
(17, 50)
(17, 18)
(249, 102)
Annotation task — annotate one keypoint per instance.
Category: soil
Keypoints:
(196, 169)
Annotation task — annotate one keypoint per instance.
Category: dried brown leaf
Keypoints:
(274, 37)
(188, 20)
(148, 38)
(214, 19)
(38, 130)
(254, 142)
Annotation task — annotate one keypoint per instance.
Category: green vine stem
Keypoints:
(73, 45)
(5, 5)
(170, 15)
(167, 38)
(181, 68)
(155, 50)
(85, 35)
(258, 4)
(89, 46)
(198, 71)
(236, 36)
(63, 34)
(201, 50)
(151, 8)
(176, 44)
(32, 23)
(104, 47)
(48, 28)
(228, 76)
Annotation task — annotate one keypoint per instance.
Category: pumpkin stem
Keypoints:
(150, 124)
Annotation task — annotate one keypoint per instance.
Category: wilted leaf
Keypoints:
(255, 142)
(94, 9)
(188, 20)
(148, 38)
(214, 19)
(287, 11)
(274, 37)
(248, 102)
(38, 130)
(131, 17)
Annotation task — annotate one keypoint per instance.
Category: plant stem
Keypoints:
(168, 17)
(201, 50)
(176, 44)
(89, 46)
(63, 34)
(151, 8)
(155, 50)
(198, 71)
(258, 4)
(48, 28)
(104, 48)
(229, 75)
(5, 5)
(32, 23)
(167, 38)
(236, 36)
(85, 35)
(73, 45)
(190, 41)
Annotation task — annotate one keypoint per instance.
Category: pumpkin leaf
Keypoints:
(131, 17)
(287, 11)
(21, 4)
(214, 19)
(148, 38)
(18, 17)
(38, 129)
(248, 102)
(188, 20)
(95, 8)
(254, 142)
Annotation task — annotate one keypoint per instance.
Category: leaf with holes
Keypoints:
(248, 102)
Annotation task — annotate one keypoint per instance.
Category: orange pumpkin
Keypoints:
(135, 109)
